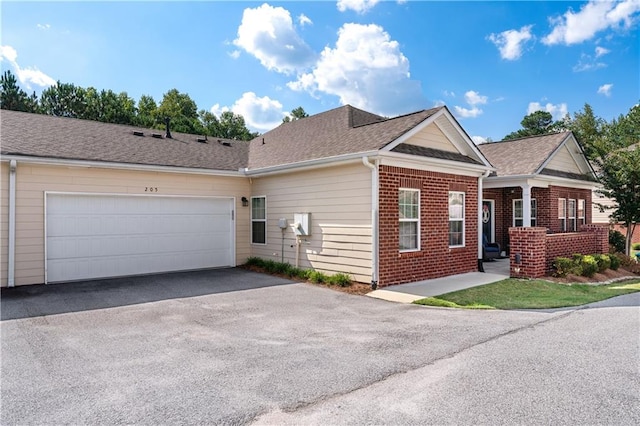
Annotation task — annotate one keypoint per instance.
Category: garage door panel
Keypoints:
(93, 236)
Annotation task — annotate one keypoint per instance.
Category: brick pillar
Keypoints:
(601, 243)
(531, 246)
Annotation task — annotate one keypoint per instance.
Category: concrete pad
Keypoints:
(428, 288)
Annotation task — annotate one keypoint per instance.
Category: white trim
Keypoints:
(513, 210)
(569, 217)
(563, 202)
(550, 157)
(337, 160)
(122, 166)
(408, 161)
(537, 181)
(251, 220)
(11, 255)
(492, 210)
(465, 136)
(417, 220)
(233, 200)
(375, 202)
(414, 131)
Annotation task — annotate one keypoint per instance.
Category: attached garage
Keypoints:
(109, 235)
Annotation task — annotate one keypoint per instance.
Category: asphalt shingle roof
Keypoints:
(339, 131)
(68, 138)
(522, 156)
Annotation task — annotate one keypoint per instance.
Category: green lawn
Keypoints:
(529, 294)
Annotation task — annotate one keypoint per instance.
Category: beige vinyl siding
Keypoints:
(597, 215)
(339, 200)
(4, 221)
(33, 180)
(432, 137)
(563, 161)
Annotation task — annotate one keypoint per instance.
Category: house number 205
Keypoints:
(150, 189)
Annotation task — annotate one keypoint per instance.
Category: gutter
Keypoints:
(374, 220)
(309, 164)
(11, 261)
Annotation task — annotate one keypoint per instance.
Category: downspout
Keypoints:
(480, 179)
(374, 221)
(11, 261)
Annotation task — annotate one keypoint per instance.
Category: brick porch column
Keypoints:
(530, 245)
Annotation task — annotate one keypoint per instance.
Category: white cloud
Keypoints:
(304, 20)
(259, 113)
(511, 42)
(268, 33)
(449, 94)
(576, 27)
(360, 6)
(28, 76)
(557, 111)
(43, 27)
(468, 113)
(235, 54)
(588, 63)
(601, 51)
(474, 98)
(438, 103)
(478, 139)
(605, 89)
(365, 69)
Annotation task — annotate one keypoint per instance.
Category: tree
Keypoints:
(64, 100)
(147, 111)
(296, 114)
(587, 128)
(182, 111)
(232, 126)
(13, 97)
(536, 123)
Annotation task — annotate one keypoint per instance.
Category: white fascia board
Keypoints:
(412, 132)
(581, 159)
(119, 166)
(463, 134)
(310, 164)
(408, 161)
(536, 181)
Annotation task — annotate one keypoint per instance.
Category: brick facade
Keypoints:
(635, 238)
(547, 203)
(435, 258)
(537, 250)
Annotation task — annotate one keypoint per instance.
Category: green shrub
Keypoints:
(589, 266)
(615, 262)
(254, 261)
(340, 279)
(577, 257)
(617, 240)
(317, 277)
(635, 246)
(563, 266)
(603, 261)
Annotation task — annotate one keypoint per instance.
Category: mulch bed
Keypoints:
(605, 277)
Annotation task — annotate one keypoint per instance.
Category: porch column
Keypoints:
(526, 205)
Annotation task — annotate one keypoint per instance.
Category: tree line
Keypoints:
(69, 100)
(612, 147)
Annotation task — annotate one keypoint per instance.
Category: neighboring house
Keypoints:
(544, 181)
(384, 200)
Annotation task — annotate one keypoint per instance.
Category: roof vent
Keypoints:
(225, 143)
(156, 135)
(167, 122)
(202, 139)
(138, 133)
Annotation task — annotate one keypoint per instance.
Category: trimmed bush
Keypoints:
(617, 240)
(317, 277)
(589, 266)
(340, 279)
(563, 266)
(603, 261)
(615, 262)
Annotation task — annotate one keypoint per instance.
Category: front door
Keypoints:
(488, 223)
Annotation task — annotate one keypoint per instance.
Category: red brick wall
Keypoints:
(635, 238)
(556, 192)
(435, 258)
(538, 249)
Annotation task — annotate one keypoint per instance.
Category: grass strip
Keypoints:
(529, 294)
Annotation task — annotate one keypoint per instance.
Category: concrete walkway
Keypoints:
(407, 293)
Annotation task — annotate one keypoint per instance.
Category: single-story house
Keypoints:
(540, 181)
(385, 200)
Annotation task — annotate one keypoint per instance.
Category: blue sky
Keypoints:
(491, 63)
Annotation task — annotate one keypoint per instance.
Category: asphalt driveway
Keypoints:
(230, 347)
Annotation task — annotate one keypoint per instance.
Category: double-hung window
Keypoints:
(409, 205)
(518, 212)
(259, 220)
(562, 213)
(572, 215)
(582, 205)
(456, 219)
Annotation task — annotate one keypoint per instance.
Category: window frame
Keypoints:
(415, 220)
(562, 203)
(582, 205)
(534, 212)
(462, 220)
(259, 220)
(571, 216)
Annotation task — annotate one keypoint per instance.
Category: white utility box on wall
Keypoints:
(302, 223)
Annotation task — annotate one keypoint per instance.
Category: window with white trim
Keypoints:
(409, 206)
(582, 207)
(259, 220)
(518, 213)
(456, 219)
(562, 213)
(572, 215)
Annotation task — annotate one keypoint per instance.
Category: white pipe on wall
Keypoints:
(374, 220)
(11, 261)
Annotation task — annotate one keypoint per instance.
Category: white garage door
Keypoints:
(96, 236)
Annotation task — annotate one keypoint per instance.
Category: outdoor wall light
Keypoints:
(245, 202)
